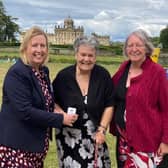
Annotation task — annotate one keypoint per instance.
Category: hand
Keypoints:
(58, 110)
(69, 119)
(163, 149)
(100, 137)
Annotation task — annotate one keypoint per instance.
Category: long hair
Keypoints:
(32, 32)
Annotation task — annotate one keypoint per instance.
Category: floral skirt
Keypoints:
(128, 158)
(76, 147)
(11, 158)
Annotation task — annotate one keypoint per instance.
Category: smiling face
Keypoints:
(37, 50)
(135, 49)
(85, 58)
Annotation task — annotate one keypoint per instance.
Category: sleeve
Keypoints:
(163, 103)
(113, 128)
(56, 84)
(109, 88)
(18, 91)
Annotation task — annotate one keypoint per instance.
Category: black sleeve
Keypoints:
(109, 89)
(56, 84)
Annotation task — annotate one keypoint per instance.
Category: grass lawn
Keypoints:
(51, 160)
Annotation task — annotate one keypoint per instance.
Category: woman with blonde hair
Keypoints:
(27, 106)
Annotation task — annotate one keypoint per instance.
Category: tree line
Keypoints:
(9, 29)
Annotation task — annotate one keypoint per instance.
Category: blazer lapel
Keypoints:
(29, 72)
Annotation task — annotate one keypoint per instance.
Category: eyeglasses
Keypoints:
(135, 45)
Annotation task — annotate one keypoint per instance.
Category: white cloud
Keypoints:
(156, 4)
(114, 18)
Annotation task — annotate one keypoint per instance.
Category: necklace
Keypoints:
(85, 99)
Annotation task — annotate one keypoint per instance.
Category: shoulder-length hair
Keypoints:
(144, 37)
(32, 32)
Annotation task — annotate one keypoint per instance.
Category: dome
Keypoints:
(68, 22)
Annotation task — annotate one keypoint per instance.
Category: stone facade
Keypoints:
(103, 40)
(68, 33)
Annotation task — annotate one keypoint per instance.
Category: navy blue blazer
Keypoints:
(23, 118)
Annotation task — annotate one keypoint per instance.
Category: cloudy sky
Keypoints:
(116, 18)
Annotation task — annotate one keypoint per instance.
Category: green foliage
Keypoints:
(105, 60)
(55, 46)
(155, 41)
(164, 37)
(9, 44)
(115, 49)
(8, 27)
(61, 59)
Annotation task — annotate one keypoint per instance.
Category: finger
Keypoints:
(98, 143)
(159, 152)
(74, 118)
(70, 124)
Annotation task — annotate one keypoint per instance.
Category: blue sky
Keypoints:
(116, 18)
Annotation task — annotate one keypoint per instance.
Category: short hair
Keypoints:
(141, 34)
(30, 33)
(84, 40)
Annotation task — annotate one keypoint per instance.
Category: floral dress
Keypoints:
(76, 147)
(13, 158)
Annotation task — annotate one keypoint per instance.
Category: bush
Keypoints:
(9, 44)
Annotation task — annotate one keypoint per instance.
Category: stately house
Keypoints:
(103, 40)
(67, 34)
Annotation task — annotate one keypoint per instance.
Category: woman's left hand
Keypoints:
(100, 137)
(163, 149)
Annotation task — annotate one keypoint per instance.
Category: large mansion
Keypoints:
(68, 33)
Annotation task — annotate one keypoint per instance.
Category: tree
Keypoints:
(155, 41)
(2, 21)
(164, 37)
(8, 27)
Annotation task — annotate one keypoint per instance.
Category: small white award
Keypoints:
(71, 110)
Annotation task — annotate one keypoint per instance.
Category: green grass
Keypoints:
(3, 69)
(51, 159)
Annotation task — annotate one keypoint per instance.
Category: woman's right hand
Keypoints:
(163, 149)
(69, 119)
